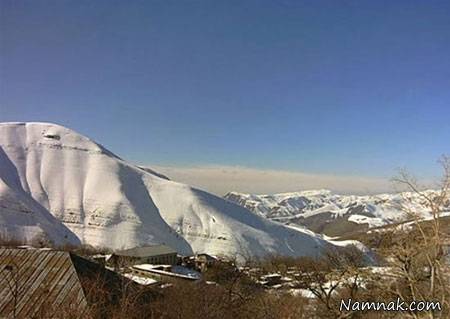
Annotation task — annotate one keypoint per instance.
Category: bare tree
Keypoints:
(334, 276)
(417, 254)
(10, 275)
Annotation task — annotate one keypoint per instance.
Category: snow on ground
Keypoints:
(374, 210)
(140, 279)
(302, 292)
(56, 181)
(371, 221)
(428, 218)
(154, 269)
(180, 270)
(186, 272)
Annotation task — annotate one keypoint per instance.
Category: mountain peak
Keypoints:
(56, 181)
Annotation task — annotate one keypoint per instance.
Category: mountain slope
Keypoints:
(57, 181)
(332, 214)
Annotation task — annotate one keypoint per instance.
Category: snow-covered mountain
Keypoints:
(323, 211)
(56, 181)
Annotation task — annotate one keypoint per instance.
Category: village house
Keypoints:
(204, 261)
(156, 254)
(48, 283)
(271, 280)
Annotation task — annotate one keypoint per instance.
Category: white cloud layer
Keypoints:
(222, 179)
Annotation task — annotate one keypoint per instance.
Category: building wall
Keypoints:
(167, 259)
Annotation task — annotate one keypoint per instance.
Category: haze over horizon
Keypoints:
(253, 96)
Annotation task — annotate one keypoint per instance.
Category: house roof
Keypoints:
(47, 282)
(41, 280)
(145, 268)
(146, 251)
(207, 257)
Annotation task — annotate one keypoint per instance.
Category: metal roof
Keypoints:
(48, 283)
(33, 281)
(146, 251)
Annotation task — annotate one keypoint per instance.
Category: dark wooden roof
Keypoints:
(43, 283)
(34, 281)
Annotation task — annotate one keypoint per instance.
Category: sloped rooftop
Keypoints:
(33, 281)
(44, 283)
(146, 251)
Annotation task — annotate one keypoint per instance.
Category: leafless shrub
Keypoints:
(10, 274)
(416, 253)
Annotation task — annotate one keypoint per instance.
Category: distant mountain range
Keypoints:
(56, 182)
(324, 212)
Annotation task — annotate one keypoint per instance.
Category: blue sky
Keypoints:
(323, 87)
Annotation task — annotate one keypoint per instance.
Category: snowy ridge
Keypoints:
(373, 210)
(56, 181)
